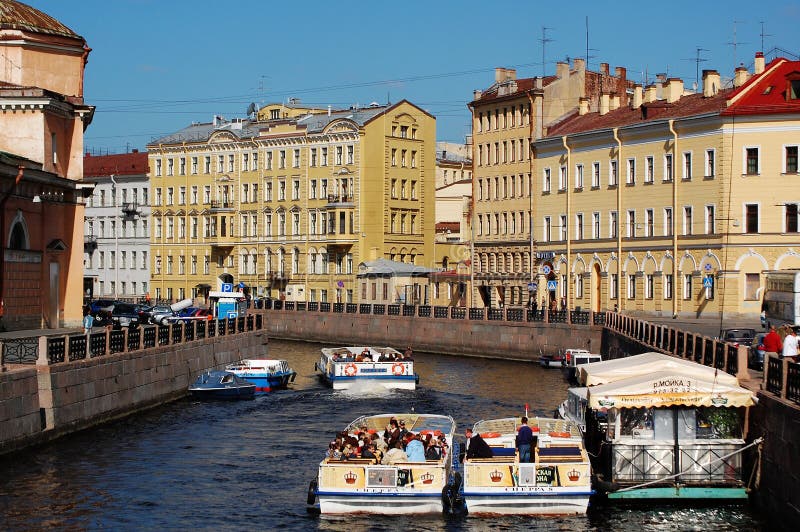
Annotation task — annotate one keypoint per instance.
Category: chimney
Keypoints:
(613, 102)
(511, 73)
(650, 93)
(674, 90)
(620, 72)
(504, 74)
(579, 64)
(604, 69)
(135, 150)
(604, 103)
(476, 94)
(759, 63)
(637, 96)
(562, 70)
(740, 76)
(710, 83)
(583, 106)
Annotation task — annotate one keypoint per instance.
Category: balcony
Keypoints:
(339, 201)
(130, 209)
(89, 243)
(222, 206)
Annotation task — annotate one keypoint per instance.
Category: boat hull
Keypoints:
(223, 394)
(547, 362)
(380, 503)
(554, 501)
(681, 493)
(267, 383)
(362, 378)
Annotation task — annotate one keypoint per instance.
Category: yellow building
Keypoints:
(290, 204)
(506, 117)
(675, 204)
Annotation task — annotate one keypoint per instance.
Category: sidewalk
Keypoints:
(29, 333)
(709, 326)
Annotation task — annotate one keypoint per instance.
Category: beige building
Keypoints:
(673, 204)
(388, 282)
(290, 203)
(506, 117)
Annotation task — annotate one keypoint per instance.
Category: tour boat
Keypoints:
(555, 360)
(267, 375)
(221, 385)
(557, 480)
(344, 367)
(574, 358)
(659, 427)
(361, 485)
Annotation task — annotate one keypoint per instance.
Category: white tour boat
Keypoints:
(344, 367)
(557, 480)
(361, 485)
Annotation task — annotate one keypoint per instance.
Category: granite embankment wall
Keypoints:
(42, 402)
(489, 338)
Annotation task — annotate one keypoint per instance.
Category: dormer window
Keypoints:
(793, 86)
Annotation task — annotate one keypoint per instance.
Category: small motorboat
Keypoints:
(222, 385)
(267, 374)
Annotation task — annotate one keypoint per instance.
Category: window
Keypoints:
(563, 221)
(687, 220)
(194, 165)
(648, 286)
(546, 228)
(614, 286)
(791, 159)
(612, 173)
(667, 221)
(791, 218)
(546, 180)
(752, 282)
(751, 218)
(579, 226)
(631, 233)
(350, 154)
(220, 163)
(269, 160)
(413, 159)
(282, 190)
(313, 157)
(158, 167)
(394, 156)
(631, 179)
(648, 169)
(631, 286)
(296, 158)
(182, 166)
(612, 224)
(295, 189)
(668, 167)
(170, 166)
(751, 161)
(596, 225)
(649, 223)
(595, 175)
(231, 162)
(562, 178)
(579, 176)
(403, 158)
(711, 226)
(710, 163)
(207, 164)
(255, 160)
(282, 159)
(668, 286)
(339, 154)
(687, 286)
(687, 165)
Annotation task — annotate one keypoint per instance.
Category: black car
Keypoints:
(740, 336)
(125, 315)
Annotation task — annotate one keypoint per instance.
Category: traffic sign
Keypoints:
(708, 266)
(227, 287)
(545, 269)
(532, 287)
(552, 285)
(708, 282)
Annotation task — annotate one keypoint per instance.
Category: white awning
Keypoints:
(622, 368)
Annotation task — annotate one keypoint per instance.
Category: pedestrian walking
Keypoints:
(88, 320)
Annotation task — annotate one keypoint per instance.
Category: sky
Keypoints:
(158, 65)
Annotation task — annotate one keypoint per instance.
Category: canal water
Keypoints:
(247, 465)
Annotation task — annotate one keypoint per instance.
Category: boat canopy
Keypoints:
(668, 388)
(644, 364)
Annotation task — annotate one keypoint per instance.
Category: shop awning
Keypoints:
(622, 368)
(668, 388)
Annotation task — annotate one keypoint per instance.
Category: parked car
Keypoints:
(100, 304)
(125, 315)
(740, 336)
(186, 312)
(755, 355)
(161, 314)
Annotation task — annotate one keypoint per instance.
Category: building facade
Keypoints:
(675, 204)
(287, 205)
(116, 240)
(42, 120)
(506, 117)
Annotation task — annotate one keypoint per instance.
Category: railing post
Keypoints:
(108, 340)
(66, 348)
(141, 337)
(741, 362)
(169, 336)
(125, 339)
(784, 374)
(42, 359)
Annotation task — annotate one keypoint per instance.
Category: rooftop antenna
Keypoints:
(762, 34)
(587, 44)
(544, 40)
(697, 60)
(734, 42)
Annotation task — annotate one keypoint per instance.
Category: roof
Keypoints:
(523, 85)
(609, 371)
(117, 164)
(19, 16)
(452, 227)
(390, 267)
(767, 93)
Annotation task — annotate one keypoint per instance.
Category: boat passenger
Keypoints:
(349, 452)
(477, 446)
(408, 354)
(415, 450)
(392, 433)
(369, 451)
(394, 455)
(380, 443)
(433, 451)
(403, 430)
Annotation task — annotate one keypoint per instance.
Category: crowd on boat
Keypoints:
(367, 356)
(395, 445)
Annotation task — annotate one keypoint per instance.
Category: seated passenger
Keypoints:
(369, 451)
(394, 455)
(349, 452)
(415, 450)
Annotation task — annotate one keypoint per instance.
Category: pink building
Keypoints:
(42, 120)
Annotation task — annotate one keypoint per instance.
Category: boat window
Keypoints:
(637, 423)
(227, 379)
(718, 423)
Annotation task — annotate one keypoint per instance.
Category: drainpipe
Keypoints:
(470, 302)
(674, 215)
(116, 238)
(568, 282)
(530, 192)
(3, 200)
(619, 218)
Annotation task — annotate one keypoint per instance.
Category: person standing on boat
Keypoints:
(415, 450)
(477, 446)
(524, 441)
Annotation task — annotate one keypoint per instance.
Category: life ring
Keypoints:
(490, 435)
(560, 434)
(398, 368)
(350, 369)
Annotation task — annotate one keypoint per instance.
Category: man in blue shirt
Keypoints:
(524, 441)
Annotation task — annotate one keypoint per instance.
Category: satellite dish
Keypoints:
(251, 109)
